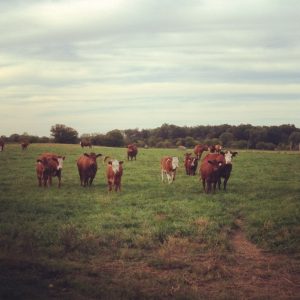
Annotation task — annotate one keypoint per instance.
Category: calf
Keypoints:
(132, 151)
(168, 166)
(49, 165)
(190, 164)
(210, 171)
(199, 149)
(87, 168)
(114, 172)
(1, 145)
(226, 170)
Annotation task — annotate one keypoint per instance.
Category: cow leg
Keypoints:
(162, 176)
(203, 184)
(214, 186)
(225, 183)
(219, 183)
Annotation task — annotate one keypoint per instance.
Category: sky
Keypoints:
(100, 65)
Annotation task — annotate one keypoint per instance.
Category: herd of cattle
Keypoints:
(215, 166)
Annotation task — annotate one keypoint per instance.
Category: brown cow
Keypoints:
(199, 149)
(168, 167)
(114, 172)
(210, 171)
(49, 165)
(24, 145)
(2, 144)
(227, 168)
(87, 168)
(215, 148)
(85, 143)
(190, 164)
(132, 151)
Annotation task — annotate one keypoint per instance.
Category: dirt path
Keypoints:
(259, 274)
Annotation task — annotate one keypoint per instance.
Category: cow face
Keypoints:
(228, 156)
(60, 161)
(216, 164)
(175, 163)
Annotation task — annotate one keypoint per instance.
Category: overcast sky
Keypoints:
(98, 65)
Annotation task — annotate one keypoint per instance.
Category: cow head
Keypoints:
(93, 156)
(216, 164)
(116, 165)
(60, 161)
(175, 163)
(228, 155)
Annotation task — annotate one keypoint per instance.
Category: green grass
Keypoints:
(62, 229)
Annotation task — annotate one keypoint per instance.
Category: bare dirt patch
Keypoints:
(259, 274)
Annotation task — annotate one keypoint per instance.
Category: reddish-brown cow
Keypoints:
(87, 168)
(168, 167)
(49, 165)
(24, 145)
(114, 172)
(215, 148)
(132, 151)
(2, 144)
(86, 144)
(190, 164)
(210, 171)
(199, 149)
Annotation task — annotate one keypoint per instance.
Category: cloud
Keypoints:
(148, 62)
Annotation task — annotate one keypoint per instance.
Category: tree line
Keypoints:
(244, 136)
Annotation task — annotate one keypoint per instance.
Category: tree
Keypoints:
(226, 138)
(294, 140)
(63, 134)
(115, 138)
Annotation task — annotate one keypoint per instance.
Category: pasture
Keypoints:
(151, 240)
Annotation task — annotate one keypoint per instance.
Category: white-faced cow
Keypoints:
(87, 168)
(49, 165)
(190, 164)
(227, 168)
(114, 172)
(168, 167)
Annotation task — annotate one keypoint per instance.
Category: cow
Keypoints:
(114, 172)
(226, 170)
(215, 148)
(190, 164)
(210, 169)
(2, 144)
(199, 149)
(85, 143)
(49, 165)
(24, 145)
(87, 168)
(132, 151)
(168, 166)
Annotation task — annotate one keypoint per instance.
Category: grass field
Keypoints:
(150, 241)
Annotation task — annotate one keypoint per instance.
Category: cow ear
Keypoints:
(121, 162)
(234, 153)
(98, 155)
(110, 162)
(87, 155)
(210, 162)
(38, 160)
(222, 152)
(63, 157)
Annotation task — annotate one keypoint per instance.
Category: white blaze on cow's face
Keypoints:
(115, 166)
(60, 163)
(228, 157)
(175, 163)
